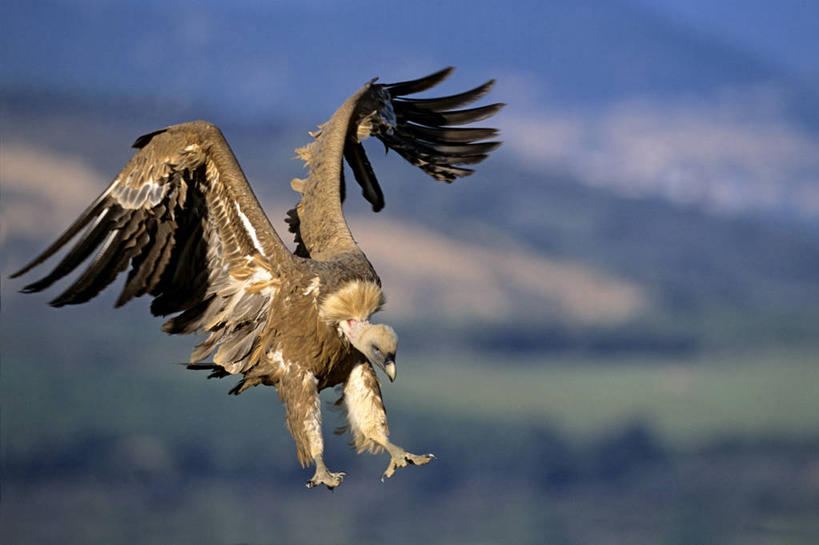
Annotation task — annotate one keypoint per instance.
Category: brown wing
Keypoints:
(425, 132)
(181, 217)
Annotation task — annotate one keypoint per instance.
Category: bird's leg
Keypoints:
(303, 404)
(401, 458)
(324, 476)
(368, 420)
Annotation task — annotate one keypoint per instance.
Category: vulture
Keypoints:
(182, 219)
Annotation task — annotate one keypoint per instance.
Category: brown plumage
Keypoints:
(183, 220)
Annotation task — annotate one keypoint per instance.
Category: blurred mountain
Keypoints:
(612, 325)
(508, 256)
(647, 98)
(658, 177)
(436, 277)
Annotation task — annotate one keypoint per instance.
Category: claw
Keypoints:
(412, 459)
(328, 479)
(403, 460)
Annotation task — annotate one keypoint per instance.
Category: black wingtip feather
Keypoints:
(86, 245)
(238, 389)
(116, 252)
(143, 140)
(448, 102)
(407, 111)
(85, 218)
(362, 170)
(448, 135)
(155, 245)
(417, 85)
(423, 131)
(462, 150)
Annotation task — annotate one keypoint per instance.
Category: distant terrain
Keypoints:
(106, 441)
(608, 333)
(507, 259)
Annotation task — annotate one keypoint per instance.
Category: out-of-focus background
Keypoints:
(609, 333)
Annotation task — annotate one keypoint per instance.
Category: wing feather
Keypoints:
(448, 135)
(182, 219)
(362, 170)
(444, 103)
(421, 131)
(421, 84)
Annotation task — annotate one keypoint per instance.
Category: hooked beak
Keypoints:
(387, 365)
(389, 369)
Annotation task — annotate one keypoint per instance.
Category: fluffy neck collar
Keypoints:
(355, 302)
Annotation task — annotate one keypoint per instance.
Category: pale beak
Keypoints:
(389, 369)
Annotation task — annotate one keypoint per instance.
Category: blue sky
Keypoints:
(715, 102)
(785, 32)
(266, 49)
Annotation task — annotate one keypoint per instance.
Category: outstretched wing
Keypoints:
(426, 132)
(183, 220)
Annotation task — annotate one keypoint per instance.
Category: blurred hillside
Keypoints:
(608, 333)
(511, 258)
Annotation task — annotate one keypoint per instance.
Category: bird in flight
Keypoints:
(182, 219)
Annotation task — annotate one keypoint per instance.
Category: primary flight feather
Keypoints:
(183, 220)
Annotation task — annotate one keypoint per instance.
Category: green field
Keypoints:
(685, 401)
(105, 441)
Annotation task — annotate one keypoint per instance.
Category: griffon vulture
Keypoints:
(183, 220)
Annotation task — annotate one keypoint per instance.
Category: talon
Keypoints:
(328, 479)
(403, 460)
(419, 459)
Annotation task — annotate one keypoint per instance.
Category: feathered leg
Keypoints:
(368, 420)
(299, 392)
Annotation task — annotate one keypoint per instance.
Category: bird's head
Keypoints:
(378, 343)
(349, 308)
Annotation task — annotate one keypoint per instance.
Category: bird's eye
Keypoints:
(376, 352)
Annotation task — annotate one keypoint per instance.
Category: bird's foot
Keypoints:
(327, 478)
(403, 459)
